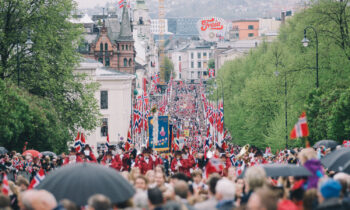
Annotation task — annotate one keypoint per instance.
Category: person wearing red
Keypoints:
(179, 164)
(113, 162)
(157, 160)
(73, 157)
(146, 162)
(87, 155)
(125, 158)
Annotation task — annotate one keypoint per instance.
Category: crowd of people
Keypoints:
(181, 180)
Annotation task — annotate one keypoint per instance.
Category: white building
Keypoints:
(159, 25)
(114, 99)
(269, 27)
(180, 60)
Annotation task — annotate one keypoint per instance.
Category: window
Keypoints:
(101, 47)
(199, 55)
(179, 58)
(250, 35)
(130, 62)
(205, 65)
(100, 60)
(192, 64)
(104, 127)
(204, 54)
(126, 46)
(122, 47)
(199, 64)
(199, 74)
(125, 62)
(251, 27)
(106, 47)
(192, 56)
(104, 99)
(107, 62)
(180, 76)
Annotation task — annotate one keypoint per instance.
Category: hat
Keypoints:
(330, 189)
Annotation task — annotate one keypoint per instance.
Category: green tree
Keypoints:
(168, 69)
(46, 68)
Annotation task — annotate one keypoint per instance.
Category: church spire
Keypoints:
(125, 27)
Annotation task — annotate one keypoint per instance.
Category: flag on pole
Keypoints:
(37, 179)
(5, 185)
(301, 128)
(121, 3)
(77, 143)
(214, 165)
(107, 143)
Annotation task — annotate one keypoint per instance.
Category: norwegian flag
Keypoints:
(268, 150)
(346, 143)
(177, 145)
(221, 117)
(128, 141)
(232, 159)
(5, 185)
(211, 72)
(78, 145)
(107, 143)
(240, 168)
(37, 179)
(301, 128)
(214, 165)
(121, 3)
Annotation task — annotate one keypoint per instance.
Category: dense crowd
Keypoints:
(182, 180)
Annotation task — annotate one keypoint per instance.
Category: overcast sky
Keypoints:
(92, 3)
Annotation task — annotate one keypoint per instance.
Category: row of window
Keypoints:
(199, 64)
(199, 55)
(107, 62)
(124, 47)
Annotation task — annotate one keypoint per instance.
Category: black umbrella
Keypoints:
(327, 143)
(48, 153)
(284, 170)
(346, 168)
(77, 182)
(336, 160)
(3, 150)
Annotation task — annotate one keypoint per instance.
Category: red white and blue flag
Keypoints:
(301, 128)
(78, 143)
(5, 185)
(121, 3)
(37, 179)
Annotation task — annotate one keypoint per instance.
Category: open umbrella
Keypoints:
(3, 150)
(327, 143)
(284, 170)
(77, 182)
(336, 160)
(34, 153)
(48, 153)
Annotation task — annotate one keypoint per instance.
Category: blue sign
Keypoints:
(163, 133)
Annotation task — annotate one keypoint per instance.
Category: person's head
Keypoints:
(213, 180)
(263, 199)
(135, 172)
(329, 189)
(307, 154)
(181, 189)
(150, 176)
(160, 169)
(197, 176)
(22, 183)
(36, 199)
(72, 151)
(159, 179)
(255, 177)
(310, 199)
(344, 180)
(69, 205)
(155, 196)
(225, 190)
(5, 202)
(99, 202)
(141, 182)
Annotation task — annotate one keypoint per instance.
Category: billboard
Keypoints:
(163, 133)
(212, 29)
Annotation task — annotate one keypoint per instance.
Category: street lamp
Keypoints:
(305, 42)
(285, 104)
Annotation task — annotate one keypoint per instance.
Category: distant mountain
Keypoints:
(228, 9)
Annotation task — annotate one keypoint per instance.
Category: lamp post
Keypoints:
(28, 43)
(305, 42)
(223, 97)
(285, 105)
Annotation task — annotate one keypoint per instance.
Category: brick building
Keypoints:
(244, 29)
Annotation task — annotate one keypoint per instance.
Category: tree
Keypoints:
(46, 68)
(168, 69)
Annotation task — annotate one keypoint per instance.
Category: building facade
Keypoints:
(114, 99)
(244, 29)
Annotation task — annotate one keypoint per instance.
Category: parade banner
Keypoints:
(162, 142)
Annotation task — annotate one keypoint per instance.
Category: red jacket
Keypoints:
(91, 160)
(182, 169)
(125, 162)
(77, 160)
(114, 162)
(144, 165)
(158, 161)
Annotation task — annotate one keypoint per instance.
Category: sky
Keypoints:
(92, 3)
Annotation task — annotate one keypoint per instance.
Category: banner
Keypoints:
(163, 133)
